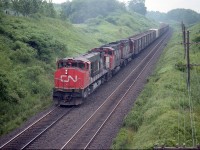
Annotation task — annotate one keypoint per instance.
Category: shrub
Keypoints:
(23, 55)
(33, 72)
(111, 20)
(122, 139)
(94, 21)
(3, 87)
(134, 120)
(180, 66)
(102, 41)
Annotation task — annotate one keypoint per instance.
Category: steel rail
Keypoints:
(122, 98)
(38, 134)
(27, 128)
(107, 99)
(48, 127)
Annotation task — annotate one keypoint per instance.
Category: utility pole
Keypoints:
(186, 45)
(188, 59)
(184, 39)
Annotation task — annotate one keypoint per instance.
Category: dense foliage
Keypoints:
(27, 61)
(28, 7)
(137, 6)
(166, 113)
(29, 47)
(78, 11)
(158, 16)
(186, 15)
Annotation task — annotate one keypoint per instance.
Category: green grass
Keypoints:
(29, 47)
(161, 115)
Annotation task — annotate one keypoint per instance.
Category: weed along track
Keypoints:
(84, 137)
(96, 122)
(30, 134)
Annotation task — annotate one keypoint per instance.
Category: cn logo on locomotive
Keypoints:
(65, 78)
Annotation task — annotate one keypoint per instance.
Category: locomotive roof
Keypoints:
(106, 47)
(88, 57)
(111, 44)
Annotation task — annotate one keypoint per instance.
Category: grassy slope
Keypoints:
(161, 115)
(28, 50)
(116, 26)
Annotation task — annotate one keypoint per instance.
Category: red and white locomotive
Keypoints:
(77, 77)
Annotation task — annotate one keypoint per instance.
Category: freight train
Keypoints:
(77, 77)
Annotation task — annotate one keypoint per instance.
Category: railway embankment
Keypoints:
(166, 112)
(29, 47)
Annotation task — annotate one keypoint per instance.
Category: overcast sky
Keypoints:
(164, 5)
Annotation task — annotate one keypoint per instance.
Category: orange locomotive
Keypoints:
(77, 77)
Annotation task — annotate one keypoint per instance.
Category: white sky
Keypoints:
(164, 5)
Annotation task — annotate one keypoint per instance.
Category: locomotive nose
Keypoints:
(70, 78)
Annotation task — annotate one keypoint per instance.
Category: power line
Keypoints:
(186, 43)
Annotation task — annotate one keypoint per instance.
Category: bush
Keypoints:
(45, 46)
(24, 55)
(111, 20)
(134, 120)
(4, 93)
(94, 22)
(180, 66)
(33, 72)
(122, 139)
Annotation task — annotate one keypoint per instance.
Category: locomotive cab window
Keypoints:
(110, 53)
(74, 64)
(60, 65)
(63, 64)
(81, 65)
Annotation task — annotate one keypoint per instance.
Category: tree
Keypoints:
(6, 4)
(66, 10)
(137, 6)
(29, 7)
(1, 4)
(16, 6)
(158, 16)
(78, 11)
(3, 87)
(50, 10)
(188, 16)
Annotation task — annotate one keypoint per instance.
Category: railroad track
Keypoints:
(86, 134)
(26, 137)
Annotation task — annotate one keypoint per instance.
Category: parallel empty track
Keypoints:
(36, 129)
(85, 135)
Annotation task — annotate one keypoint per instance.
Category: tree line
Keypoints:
(28, 7)
(77, 11)
(188, 16)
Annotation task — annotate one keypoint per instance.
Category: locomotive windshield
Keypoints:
(109, 52)
(72, 64)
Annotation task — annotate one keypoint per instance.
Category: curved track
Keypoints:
(89, 124)
(23, 139)
(85, 135)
